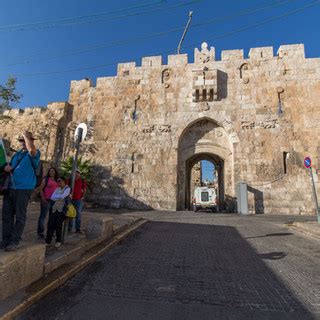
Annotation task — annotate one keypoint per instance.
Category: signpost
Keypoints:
(79, 136)
(307, 163)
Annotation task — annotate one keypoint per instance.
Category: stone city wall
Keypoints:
(257, 117)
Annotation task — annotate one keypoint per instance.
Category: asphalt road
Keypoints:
(196, 266)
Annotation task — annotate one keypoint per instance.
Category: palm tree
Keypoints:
(85, 167)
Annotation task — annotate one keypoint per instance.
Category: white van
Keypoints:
(205, 198)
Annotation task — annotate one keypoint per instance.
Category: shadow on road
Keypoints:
(280, 234)
(176, 271)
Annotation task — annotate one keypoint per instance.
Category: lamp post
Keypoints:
(80, 134)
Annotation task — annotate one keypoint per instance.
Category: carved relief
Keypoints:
(153, 128)
(164, 128)
(148, 129)
(165, 77)
(204, 106)
(243, 73)
(205, 55)
(267, 124)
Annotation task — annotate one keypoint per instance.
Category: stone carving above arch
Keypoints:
(225, 126)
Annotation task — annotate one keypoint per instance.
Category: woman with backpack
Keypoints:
(48, 186)
(60, 201)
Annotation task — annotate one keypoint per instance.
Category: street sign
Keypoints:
(307, 162)
(84, 128)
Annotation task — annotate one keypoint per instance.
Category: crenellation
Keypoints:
(105, 82)
(292, 51)
(80, 85)
(149, 123)
(177, 60)
(125, 68)
(151, 62)
(228, 55)
(261, 53)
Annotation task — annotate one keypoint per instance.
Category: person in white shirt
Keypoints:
(59, 202)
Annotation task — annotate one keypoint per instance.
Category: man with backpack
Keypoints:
(23, 179)
(79, 191)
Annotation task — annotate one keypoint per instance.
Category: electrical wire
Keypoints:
(154, 35)
(261, 22)
(21, 28)
(33, 24)
(191, 45)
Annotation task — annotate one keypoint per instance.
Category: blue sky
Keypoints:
(52, 49)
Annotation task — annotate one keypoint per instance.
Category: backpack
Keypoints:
(38, 172)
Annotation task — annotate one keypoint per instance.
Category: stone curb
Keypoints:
(76, 252)
(302, 229)
(56, 282)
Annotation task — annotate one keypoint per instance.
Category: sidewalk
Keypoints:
(37, 260)
(311, 228)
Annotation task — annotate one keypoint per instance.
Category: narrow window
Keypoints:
(211, 95)
(133, 158)
(285, 156)
(197, 95)
(204, 95)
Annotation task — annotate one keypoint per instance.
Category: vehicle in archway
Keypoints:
(205, 198)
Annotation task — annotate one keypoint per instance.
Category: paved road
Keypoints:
(196, 266)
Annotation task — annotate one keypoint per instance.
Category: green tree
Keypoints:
(85, 167)
(8, 97)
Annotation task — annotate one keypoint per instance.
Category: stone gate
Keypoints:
(255, 117)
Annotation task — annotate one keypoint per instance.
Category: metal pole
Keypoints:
(315, 197)
(73, 179)
(75, 159)
(185, 32)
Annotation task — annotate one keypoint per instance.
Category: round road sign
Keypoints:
(307, 162)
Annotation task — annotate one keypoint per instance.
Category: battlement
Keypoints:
(202, 57)
(28, 111)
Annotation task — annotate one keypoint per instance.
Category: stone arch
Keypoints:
(219, 119)
(203, 139)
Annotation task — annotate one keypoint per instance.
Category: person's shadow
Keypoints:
(276, 255)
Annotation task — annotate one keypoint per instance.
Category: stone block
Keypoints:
(80, 85)
(295, 51)
(125, 68)
(227, 55)
(20, 268)
(150, 62)
(261, 53)
(177, 60)
(101, 227)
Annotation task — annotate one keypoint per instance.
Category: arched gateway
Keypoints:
(205, 139)
(255, 118)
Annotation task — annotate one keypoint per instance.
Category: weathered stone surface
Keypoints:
(99, 227)
(20, 268)
(255, 117)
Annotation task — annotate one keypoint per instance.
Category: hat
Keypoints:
(21, 138)
(78, 170)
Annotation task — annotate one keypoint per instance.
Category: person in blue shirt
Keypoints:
(22, 183)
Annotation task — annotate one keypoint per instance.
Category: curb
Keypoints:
(69, 257)
(300, 229)
(56, 282)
